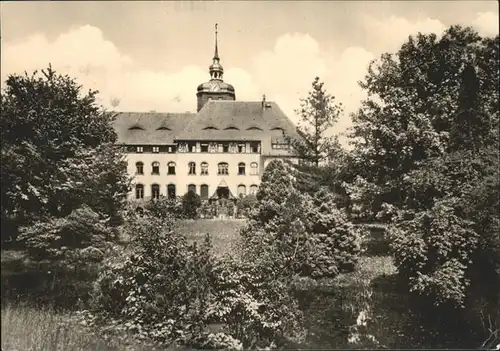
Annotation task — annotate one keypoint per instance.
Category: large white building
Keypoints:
(218, 152)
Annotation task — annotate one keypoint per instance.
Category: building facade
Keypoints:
(218, 152)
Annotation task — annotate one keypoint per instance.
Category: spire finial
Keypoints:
(216, 55)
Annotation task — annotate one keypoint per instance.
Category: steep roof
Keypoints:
(217, 120)
(150, 127)
(227, 119)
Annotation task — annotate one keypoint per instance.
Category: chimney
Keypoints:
(264, 101)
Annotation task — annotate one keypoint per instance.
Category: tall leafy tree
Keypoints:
(432, 94)
(319, 111)
(58, 150)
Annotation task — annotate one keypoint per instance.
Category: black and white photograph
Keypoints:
(250, 175)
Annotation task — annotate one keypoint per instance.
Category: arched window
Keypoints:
(204, 191)
(171, 168)
(139, 191)
(223, 168)
(242, 190)
(139, 168)
(171, 191)
(192, 168)
(241, 168)
(254, 168)
(253, 189)
(155, 191)
(192, 188)
(204, 168)
(156, 168)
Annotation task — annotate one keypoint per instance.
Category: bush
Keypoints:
(190, 204)
(255, 304)
(67, 252)
(310, 233)
(160, 287)
(165, 208)
(337, 241)
(245, 205)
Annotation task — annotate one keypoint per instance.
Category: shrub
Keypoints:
(310, 233)
(245, 205)
(165, 208)
(160, 287)
(337, 241)
(255, 304)
(69, 250)
(190, 204)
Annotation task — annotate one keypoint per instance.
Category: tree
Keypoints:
(412, 112)
(190, 204)
(318, 112)
(58, 151)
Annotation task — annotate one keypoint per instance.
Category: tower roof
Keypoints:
(216, 83)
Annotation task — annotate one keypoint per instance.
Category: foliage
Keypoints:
(255, 304)
(448, 232)
(246, 204)
(417, 98)
(78, 237)
(190, 204)
(337, 241)
(206, 210)
(57, 150)
(165, 208)
(318, 113)
(160, 287)
(309, 234)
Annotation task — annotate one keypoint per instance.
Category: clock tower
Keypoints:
(215, 88)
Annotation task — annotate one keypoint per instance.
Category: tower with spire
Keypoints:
(215, 88)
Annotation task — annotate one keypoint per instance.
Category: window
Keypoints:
(192, 168)
(155, 191)
(139, 149)
(254, 168)
(241, 168)
(220, 148)
(192, 147)
(192, 188)
(225, 147)
(204, 147)
(253, 189)
(204, 168)
(204, 191)
(170, 149)
(139, 168)
(254, 147)
(223, 169)
(171, 168)
(242, 190)
(171, 191)
(156, 168)
(241, 148)
(139, 191)
(156, 149)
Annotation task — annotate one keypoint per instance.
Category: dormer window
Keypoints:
(254, 147)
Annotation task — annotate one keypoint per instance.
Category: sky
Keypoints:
(151, 55)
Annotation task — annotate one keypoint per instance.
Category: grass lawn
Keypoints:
(224, 233)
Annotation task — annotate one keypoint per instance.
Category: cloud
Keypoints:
(96, 63)
(388, 34)
(486, 23)
(283, 72)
